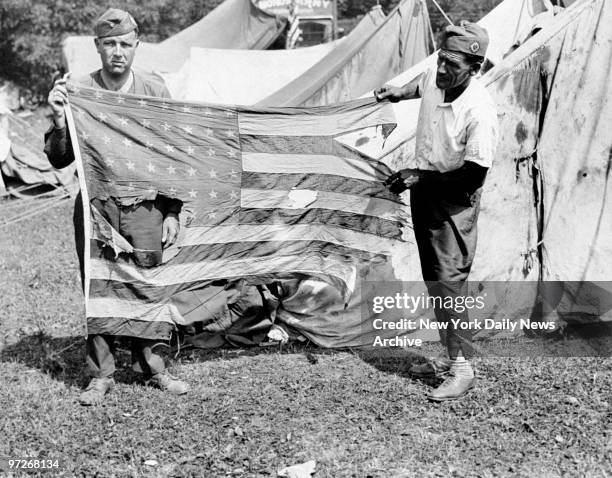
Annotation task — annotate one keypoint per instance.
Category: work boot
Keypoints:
(95, 391)
(168, 383)
(433, 368)
(453, 387)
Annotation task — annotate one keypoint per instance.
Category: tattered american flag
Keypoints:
(265, 192)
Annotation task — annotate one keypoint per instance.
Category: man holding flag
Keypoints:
(456, 139)
(149, 223)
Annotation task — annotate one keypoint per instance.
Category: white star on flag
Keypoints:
(106, 139)
(230, 133)
(233, 174)
(211, 152)
(212, 215)
(172, 191)
(188, 129)
(192, 172)
(231, 153)
(130, 166)
(131, 187)
(120, 99)
(142, 103)
(208, 132)
(212, 173)
(123, 121)
(146, 123)
(169, 148)
(98, 95)
(213, 194)
(149, 145)
(193, 193)
(151, 167)
(84, 135)
(171, 169)
(110, 161)
(164, 106)
(207, 112)
(228, 113)
(102, 116)
(166, 126)
(234, 195)
(186, 109)
(127, 143)
(190, 151)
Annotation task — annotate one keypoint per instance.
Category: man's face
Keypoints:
(453, 70)
(117, 53)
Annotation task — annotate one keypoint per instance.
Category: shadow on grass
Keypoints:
(60, 357)
(63, 358)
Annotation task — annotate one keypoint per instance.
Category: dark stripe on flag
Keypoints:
(245, 250)
(301, 145)
(355, 222)
(129, 327)
(322, 182)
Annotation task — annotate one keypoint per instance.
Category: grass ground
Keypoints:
(254, 411)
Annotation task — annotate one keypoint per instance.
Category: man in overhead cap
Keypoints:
(456, 139)
(149, 225)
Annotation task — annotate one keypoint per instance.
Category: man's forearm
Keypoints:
(410, 90)
(58, 147)
(468, 177)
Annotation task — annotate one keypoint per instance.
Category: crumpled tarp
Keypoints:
(235, 24)
(364, 61)
(22, 160)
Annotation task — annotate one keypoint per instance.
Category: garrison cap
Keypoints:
(114, 22)
(466, 37)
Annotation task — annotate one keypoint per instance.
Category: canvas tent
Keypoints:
(247, 76)
(236, 24)
(363, 63)
(23, 166)
(545, 209)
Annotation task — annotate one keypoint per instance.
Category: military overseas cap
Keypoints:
(467, 37)
(114, 22)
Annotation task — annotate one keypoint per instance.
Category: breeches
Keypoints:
(446, 233)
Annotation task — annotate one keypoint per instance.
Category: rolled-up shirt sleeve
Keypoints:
(58, 147)
(481, 141)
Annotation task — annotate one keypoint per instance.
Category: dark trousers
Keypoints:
(445, 230)
(100, 348)
(101, 356)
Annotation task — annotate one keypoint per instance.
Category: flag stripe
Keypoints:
(261, 249)
(100, 323)
(356, 222)
(204, 271)
(321, 182)
(193, 236)
(312, 164)
(304, 145)
(265, 198)
(319, 121)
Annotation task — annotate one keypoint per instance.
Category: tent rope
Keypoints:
(443, 13)
(48, 204)
(431, 32)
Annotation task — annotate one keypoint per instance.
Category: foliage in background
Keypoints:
(31, 31)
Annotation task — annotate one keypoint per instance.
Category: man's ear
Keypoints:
(97, 43)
